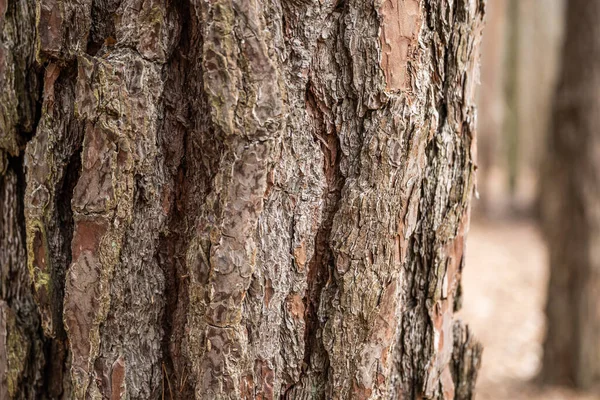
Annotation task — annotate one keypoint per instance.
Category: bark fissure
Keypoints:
(192, 155)
(56, 369)
(172, 240)
(21, 338)
(320, 266)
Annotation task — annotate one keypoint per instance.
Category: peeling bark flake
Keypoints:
(400, 28)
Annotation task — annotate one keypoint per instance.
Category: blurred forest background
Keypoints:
(506, 277)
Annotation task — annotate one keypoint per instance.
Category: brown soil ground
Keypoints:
(504, 295)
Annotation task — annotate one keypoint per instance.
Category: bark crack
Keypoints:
(320, 267)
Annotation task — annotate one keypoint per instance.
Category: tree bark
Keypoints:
(571, 210)
(234, 199)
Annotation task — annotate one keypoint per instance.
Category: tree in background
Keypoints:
(521, 43)
(571, 207)
(236, 198)
(511, 126)
(491, 101)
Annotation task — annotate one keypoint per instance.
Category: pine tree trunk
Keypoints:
(571, 210)
(236, 199)
(491, 103)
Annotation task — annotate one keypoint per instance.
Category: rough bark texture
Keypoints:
(234, 199)
(571, 209)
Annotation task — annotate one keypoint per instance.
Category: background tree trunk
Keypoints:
(571, 209)
(236, 199)
(491, 103)
(511, 116)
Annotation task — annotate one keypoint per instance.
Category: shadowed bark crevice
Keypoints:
(19, 320)
(55, 349)
(15, 164)
(320, 267)
(191, 155)
(102, 30)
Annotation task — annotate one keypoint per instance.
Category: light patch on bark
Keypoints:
(400, 27)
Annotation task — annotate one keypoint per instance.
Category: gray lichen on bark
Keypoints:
(240, 199)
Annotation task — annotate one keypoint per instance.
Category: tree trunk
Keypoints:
(491, 103)
(234, 199)
(511, 116)
(571, 208)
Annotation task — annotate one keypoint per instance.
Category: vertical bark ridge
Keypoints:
(437, 248)
(242, 85)
(113, 288)
(117, 229)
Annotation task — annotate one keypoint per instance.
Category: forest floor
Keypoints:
(504, 285)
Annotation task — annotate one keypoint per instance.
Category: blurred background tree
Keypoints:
(571, 207)
(521, 45)
(537, 158)
(537, 310)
